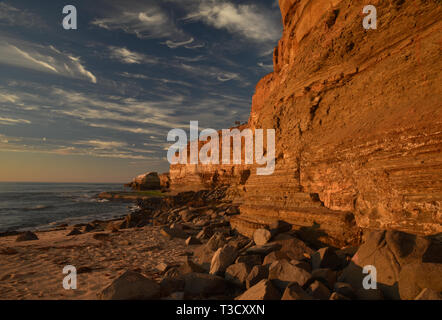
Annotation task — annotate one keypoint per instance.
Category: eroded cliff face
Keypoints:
(358, 122)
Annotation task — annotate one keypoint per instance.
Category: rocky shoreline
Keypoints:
(183, 247)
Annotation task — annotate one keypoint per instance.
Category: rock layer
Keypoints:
(358, 125)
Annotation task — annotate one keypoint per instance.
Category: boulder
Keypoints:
(262, 236)
(26, 236)
(264, 249)
(223, 258)
(325, 258)
(415, 277)
(326, 276)
(237, 273)
(190, 267)
(251, 260)
(257, 274)
(391, 252)
(428, 294)
(264, 290)
(131, 286)
(283, 272)
(344, 289)
(302, 264)
(203, 284)
(275, 256)
(318, 291)
(294, 248)
(170, 285)
(295, 292)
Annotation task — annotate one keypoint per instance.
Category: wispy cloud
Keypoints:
(10, 121)
(146, 21)
(12, 16)
(127, 56)
(45, 59)
(173, 45)
(249, 21)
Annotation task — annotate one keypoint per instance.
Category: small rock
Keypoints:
(74, 232)
(204, 234)
(325, 258)
(27, 236)
(223, 258)
(187, 215)
(173, 233)
(237, 273)
(338, 296)
(264, 290)
(257, 274)
(262, 237)
(192, 241)
(131, 286)
(163, 267)
(295, 292)
(88, 228)
(319, 291)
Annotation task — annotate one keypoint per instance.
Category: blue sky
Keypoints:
(96, 104)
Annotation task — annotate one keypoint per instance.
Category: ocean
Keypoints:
(42, 206)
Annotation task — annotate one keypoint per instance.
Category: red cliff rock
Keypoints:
(357, 115)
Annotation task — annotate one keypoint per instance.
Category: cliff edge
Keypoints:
(358, 123)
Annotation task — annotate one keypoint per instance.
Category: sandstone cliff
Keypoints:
(358, 122)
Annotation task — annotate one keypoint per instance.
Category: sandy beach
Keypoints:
(33, 270)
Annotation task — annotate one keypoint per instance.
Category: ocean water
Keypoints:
(40, 206)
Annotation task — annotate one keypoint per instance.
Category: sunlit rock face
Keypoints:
(358, 125)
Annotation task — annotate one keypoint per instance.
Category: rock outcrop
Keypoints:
(147, 181)
(358, 125)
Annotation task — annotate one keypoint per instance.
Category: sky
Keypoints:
(96, 104)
